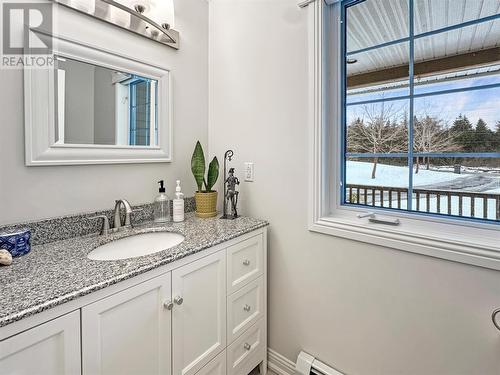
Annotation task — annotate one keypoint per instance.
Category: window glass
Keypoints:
(380, 127)
(142, 112)
(438, 92)
(431, 15)
(461, 186)
(464, 121)
(377, 182)
(375, 22)
(460, 58)
(378, 73)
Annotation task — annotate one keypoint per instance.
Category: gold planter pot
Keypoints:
(206, 204)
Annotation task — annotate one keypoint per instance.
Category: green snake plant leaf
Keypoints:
(198, 165)
(213, 173)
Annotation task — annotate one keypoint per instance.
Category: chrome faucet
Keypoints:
(117, 223)
(105, 229)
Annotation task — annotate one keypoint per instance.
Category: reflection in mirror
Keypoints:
(101, 106)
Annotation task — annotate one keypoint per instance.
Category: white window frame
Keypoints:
(456, 240)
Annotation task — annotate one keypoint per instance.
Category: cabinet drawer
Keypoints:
(245, 262)
(244, 308)
(248, 350)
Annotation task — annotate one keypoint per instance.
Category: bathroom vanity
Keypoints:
(196, 308)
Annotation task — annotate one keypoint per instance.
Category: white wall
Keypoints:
(37, 192)
(364, 309)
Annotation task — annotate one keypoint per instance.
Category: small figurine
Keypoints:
(232, 193)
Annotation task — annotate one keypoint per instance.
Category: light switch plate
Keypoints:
(249, 171)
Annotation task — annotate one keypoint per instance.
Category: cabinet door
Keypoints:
(216, 366)
(52, 348)
(129, 332)
(199, 314)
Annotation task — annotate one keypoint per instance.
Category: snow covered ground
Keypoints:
(359, 173)
(466, 169)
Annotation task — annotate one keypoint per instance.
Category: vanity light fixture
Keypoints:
(153, 19)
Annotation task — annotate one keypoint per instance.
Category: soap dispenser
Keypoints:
(161, 205)
(178, 204)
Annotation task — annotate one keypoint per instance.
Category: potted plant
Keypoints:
(206, 199)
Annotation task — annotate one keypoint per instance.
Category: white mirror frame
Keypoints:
(39, 110)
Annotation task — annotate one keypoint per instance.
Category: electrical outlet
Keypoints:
(248, 171)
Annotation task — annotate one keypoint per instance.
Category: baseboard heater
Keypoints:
(308, 365)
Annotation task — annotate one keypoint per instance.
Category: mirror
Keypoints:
(96, 106)
(101, 106)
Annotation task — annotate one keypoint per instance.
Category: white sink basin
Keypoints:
(136, 246)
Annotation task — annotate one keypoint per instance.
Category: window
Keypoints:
(142, 112)
(406, 125)
(421, 112)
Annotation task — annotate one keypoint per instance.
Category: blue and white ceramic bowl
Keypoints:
(17, 243)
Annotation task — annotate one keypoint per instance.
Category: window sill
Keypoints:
(459, 248)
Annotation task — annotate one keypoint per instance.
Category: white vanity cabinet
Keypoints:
(51, 348)
(204, 314)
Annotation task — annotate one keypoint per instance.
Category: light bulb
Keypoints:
(119, 17)
(161, 11)
(169, 15)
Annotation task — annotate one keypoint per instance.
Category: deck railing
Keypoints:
(458, 203)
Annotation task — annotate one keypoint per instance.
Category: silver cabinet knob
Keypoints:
(246, 308)
(178, 300)
(247, 346)
(246, 262)
(168, 305)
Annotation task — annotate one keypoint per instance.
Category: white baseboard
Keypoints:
(279, 364)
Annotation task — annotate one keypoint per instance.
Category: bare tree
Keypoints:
(382, 129)
(430, 135)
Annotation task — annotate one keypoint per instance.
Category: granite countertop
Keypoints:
(58, 272)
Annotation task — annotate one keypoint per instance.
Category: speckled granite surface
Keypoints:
(61, 228)
(58, 272)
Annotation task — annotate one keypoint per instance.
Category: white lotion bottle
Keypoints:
(178, 204)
